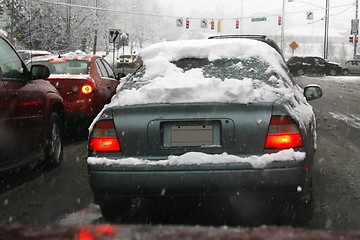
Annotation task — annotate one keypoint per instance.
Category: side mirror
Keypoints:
(312, 92)
(39, 72)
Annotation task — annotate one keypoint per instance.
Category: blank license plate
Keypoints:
(197, 135)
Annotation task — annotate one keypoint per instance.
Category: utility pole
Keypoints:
(357, 30)
(282, 27)
(11, 38)
(242, 16)
(95, 33)
(68, 19)
(326, 38)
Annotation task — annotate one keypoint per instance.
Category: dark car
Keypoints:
(31, 113)
(204, 118)
(351, 67)
(312, 65)
(85, 82)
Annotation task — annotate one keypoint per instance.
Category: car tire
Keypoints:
(300, 72)
(115, 211)
(345, 72)
(53, 146)
(332, 72)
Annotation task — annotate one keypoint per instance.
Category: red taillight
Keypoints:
(87, 89)
(57, 60)
(283, 133)
(103, 137)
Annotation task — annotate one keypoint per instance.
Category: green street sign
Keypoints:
(259, 19)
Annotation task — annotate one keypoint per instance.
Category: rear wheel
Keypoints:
(53, 146)
(345, 72)
(300, 72)
(115, 211)
(332, 72)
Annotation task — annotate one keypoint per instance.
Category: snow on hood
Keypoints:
(198, 158)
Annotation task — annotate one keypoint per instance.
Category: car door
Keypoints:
(308, 65)
(22, 103)
(108, 77)
(355, 67)
(320, 66)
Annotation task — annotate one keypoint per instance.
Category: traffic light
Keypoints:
(279, 20)
(187, 23)
(212, 24)
(237, 24)
(352, 38)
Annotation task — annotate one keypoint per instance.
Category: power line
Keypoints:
(187, 17)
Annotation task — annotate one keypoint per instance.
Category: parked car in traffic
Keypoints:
(312, 65)
(218, 117)
(31, 113)
(85, 82)
(27, 54)
(351, 67)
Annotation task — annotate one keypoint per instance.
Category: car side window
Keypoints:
(109, 69)
(308, 60)
(319, 61)
(101, 68)
(10, 64)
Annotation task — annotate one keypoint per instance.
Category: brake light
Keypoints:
(103, 137)
(87, 89)
(283, 133)
(57, 60)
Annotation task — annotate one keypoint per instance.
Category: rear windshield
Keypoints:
(62, 66)
(260, 71)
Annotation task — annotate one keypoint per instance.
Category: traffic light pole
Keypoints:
(326, 38)
(357, 30)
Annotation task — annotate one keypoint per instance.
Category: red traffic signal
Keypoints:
(212, 24)
(279, 20)
(237, 24)
(187, 23)
(353, 39)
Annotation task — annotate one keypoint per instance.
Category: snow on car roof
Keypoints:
(67, 56)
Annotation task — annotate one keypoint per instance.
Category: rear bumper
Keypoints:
(111, 184)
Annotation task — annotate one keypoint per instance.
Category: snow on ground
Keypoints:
(88, 215)
(351, 120)
(348, 84)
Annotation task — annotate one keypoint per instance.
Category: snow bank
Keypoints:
(198, 158)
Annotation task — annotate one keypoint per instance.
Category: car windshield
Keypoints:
(62, 66)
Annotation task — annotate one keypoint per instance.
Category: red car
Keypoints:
(86, 82)
(31, 113)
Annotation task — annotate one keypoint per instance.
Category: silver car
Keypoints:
(218, 117)
(351, 67)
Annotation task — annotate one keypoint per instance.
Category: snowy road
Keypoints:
(63, 196)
